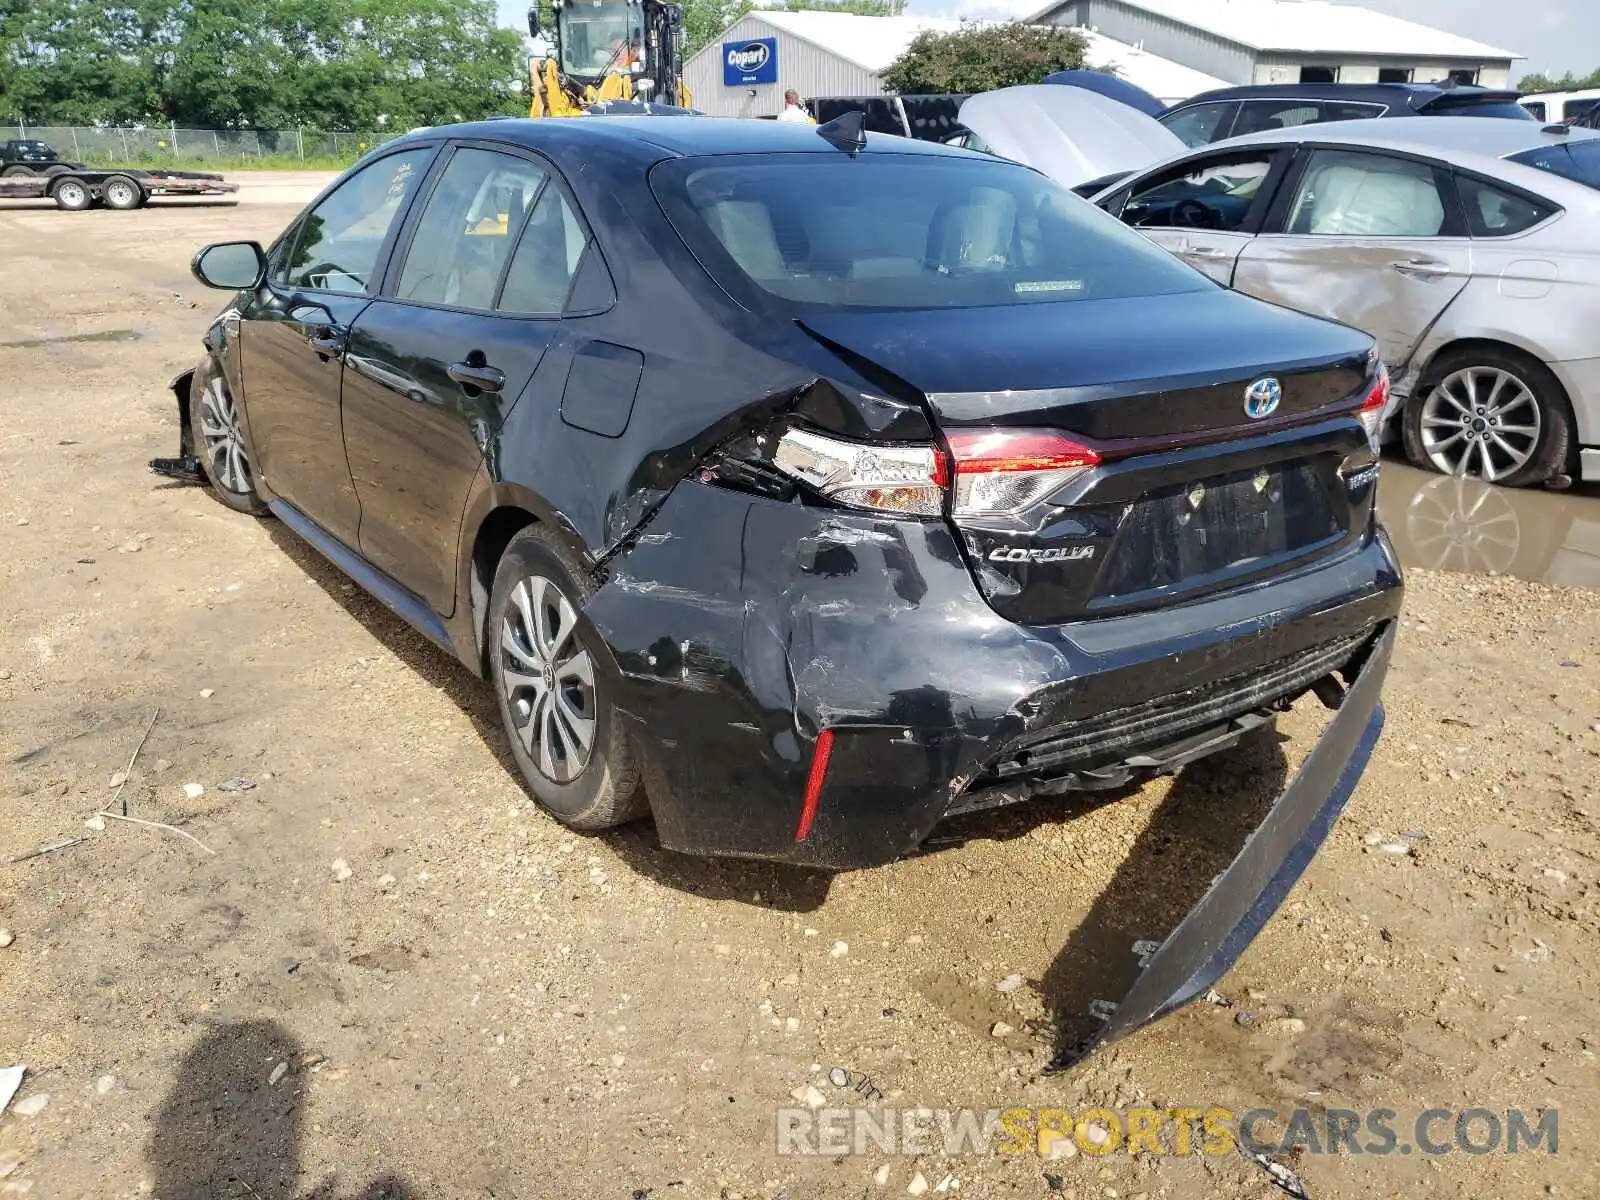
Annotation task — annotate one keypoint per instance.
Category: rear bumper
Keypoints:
(742, 627)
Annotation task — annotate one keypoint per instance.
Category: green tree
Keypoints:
(982, 57)
(341, 64)
(1567, 83)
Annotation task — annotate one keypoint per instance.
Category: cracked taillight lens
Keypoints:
(884, 478)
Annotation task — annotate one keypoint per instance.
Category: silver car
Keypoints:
(1470, 249)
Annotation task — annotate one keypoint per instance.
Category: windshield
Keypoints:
(1575, 160)
(906, 231)
(601, 39)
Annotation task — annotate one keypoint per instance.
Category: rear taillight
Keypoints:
(1000, 472)
(1372, 409)
(996, 472)
(904, 479)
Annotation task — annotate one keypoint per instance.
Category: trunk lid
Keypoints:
(1193, 494)
(1083, 367)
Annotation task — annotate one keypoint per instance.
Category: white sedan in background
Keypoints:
(1470, 249)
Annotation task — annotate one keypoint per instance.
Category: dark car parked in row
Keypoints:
(803, 492)
(1232, 112)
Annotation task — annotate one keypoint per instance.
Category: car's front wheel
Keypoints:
(15, 169)
(564, 730)
(1491, 414)
(220, 446)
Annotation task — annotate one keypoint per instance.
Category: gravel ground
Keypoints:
(385, 974)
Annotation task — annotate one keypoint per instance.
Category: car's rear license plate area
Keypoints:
(1217, 527)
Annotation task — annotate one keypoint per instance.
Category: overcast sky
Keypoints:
(1552, 35)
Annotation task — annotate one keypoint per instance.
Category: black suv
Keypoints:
(1230, 112)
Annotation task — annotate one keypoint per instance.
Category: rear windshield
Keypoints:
(1451, 107)
(1576, 160)
(905, 231)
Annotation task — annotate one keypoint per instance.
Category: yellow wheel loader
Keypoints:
(607, 50)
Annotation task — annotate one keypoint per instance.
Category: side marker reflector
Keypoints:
(814, 782)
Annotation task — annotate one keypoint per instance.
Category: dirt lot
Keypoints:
(393, 977)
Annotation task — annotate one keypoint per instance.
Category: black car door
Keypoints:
(292, 334)
(468, 312)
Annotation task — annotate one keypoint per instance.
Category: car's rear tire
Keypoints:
(220, 446)
(72, 195)
(56, 169)
(122, 193)
(1491, 413)
(15, 169)
(565, 733)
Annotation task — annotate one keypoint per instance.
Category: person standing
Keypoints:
(792, 110)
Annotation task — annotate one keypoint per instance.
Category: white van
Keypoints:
(1557, 108)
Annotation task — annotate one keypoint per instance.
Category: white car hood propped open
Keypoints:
(1069, 134)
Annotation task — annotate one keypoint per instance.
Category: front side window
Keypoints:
(1351, 194)
(1575, 160)
(337, 246)
(1536, 107)
(467, 229)
(906, 231)
(601, 39)
(1202, 124)
(1493, 212)
(1216, 195)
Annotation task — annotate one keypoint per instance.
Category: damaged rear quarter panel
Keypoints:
(742, 626)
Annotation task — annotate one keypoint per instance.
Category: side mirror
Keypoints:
(533, 20)
(231, 266)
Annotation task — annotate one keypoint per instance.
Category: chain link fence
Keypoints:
(172, 145)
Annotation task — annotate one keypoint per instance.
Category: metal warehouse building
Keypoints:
(1288, 41)
(745, 71)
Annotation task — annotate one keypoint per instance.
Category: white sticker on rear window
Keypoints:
(1048, 285)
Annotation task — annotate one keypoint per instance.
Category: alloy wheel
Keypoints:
(224, 445)
(1481, 421)
(548, 679)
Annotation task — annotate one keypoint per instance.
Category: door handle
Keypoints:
(477, 375)
(1206, 252)
(1422, 268)
(327, 341)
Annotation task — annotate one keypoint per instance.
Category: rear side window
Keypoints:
(905, 231)
(1494, 212)
(547, 258)
(1575, 160)
(1203, 123)
(1258, 115)
(1351, 194)
(466, 231)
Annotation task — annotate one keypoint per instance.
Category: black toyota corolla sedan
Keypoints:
(801, 490)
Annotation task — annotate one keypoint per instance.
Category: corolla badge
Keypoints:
(748, 58)
(1261, 398)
